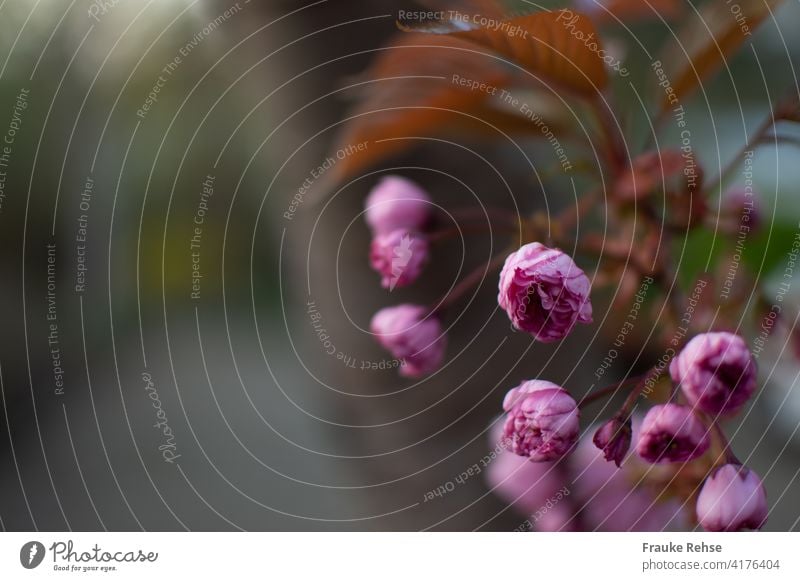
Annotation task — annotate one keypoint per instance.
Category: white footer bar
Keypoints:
(401, 556)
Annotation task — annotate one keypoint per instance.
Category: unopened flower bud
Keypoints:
(397, 203)
(398, 257)
(542, 420)
(518, 482)
(544, 292)
(732, 499)
(412, 335)
(672, 433)
(618, 499)
(614, 439)
(716, 372)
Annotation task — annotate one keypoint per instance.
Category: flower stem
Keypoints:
(752, 142)
(470, 281)
(727, 451)
(627, 407)
(609, 390)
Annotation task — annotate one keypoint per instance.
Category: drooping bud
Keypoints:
(398, 257)
(544, 292)
(614, 439)
(542, 420)
(412, 335)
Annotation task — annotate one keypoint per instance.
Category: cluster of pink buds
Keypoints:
(546, 294)
(582, 491)
(717, 375)
(397, 212)
(627, 225)
(543, 291)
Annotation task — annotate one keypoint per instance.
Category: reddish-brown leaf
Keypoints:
(409, 92)
(561, 46)
(711, 37)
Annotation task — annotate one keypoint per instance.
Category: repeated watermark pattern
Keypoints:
(7, 146)
(529, 524)
(625, 329)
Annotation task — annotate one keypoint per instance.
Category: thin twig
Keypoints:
(751, 144)
(471, 280)
(610, 390)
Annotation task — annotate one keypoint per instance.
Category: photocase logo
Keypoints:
(31, 554)
(401, 259)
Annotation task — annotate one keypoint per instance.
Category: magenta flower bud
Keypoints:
(556, 517)
(542, 421)
(732, 499)
(520, 483)
(614, 439)
(544, 292)
(412, 335)
(672, 433)
(398, 257)
(618, 499)
(716, 372)
(396, 204)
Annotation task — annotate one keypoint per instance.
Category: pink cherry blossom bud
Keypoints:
(398, 257)
(525, 485)
(542, 421)
(397, 203)
(716, 372)
(619, 499)
(614, 439)
(741, 210)
(412, 335)
(732, 499)
(555, 516)
(672, 433)
(544, 292)
(635, 509)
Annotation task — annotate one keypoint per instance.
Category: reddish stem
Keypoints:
(610, 390)
(627, 407)
(470, 281)
(727, 451)
(751, 144)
